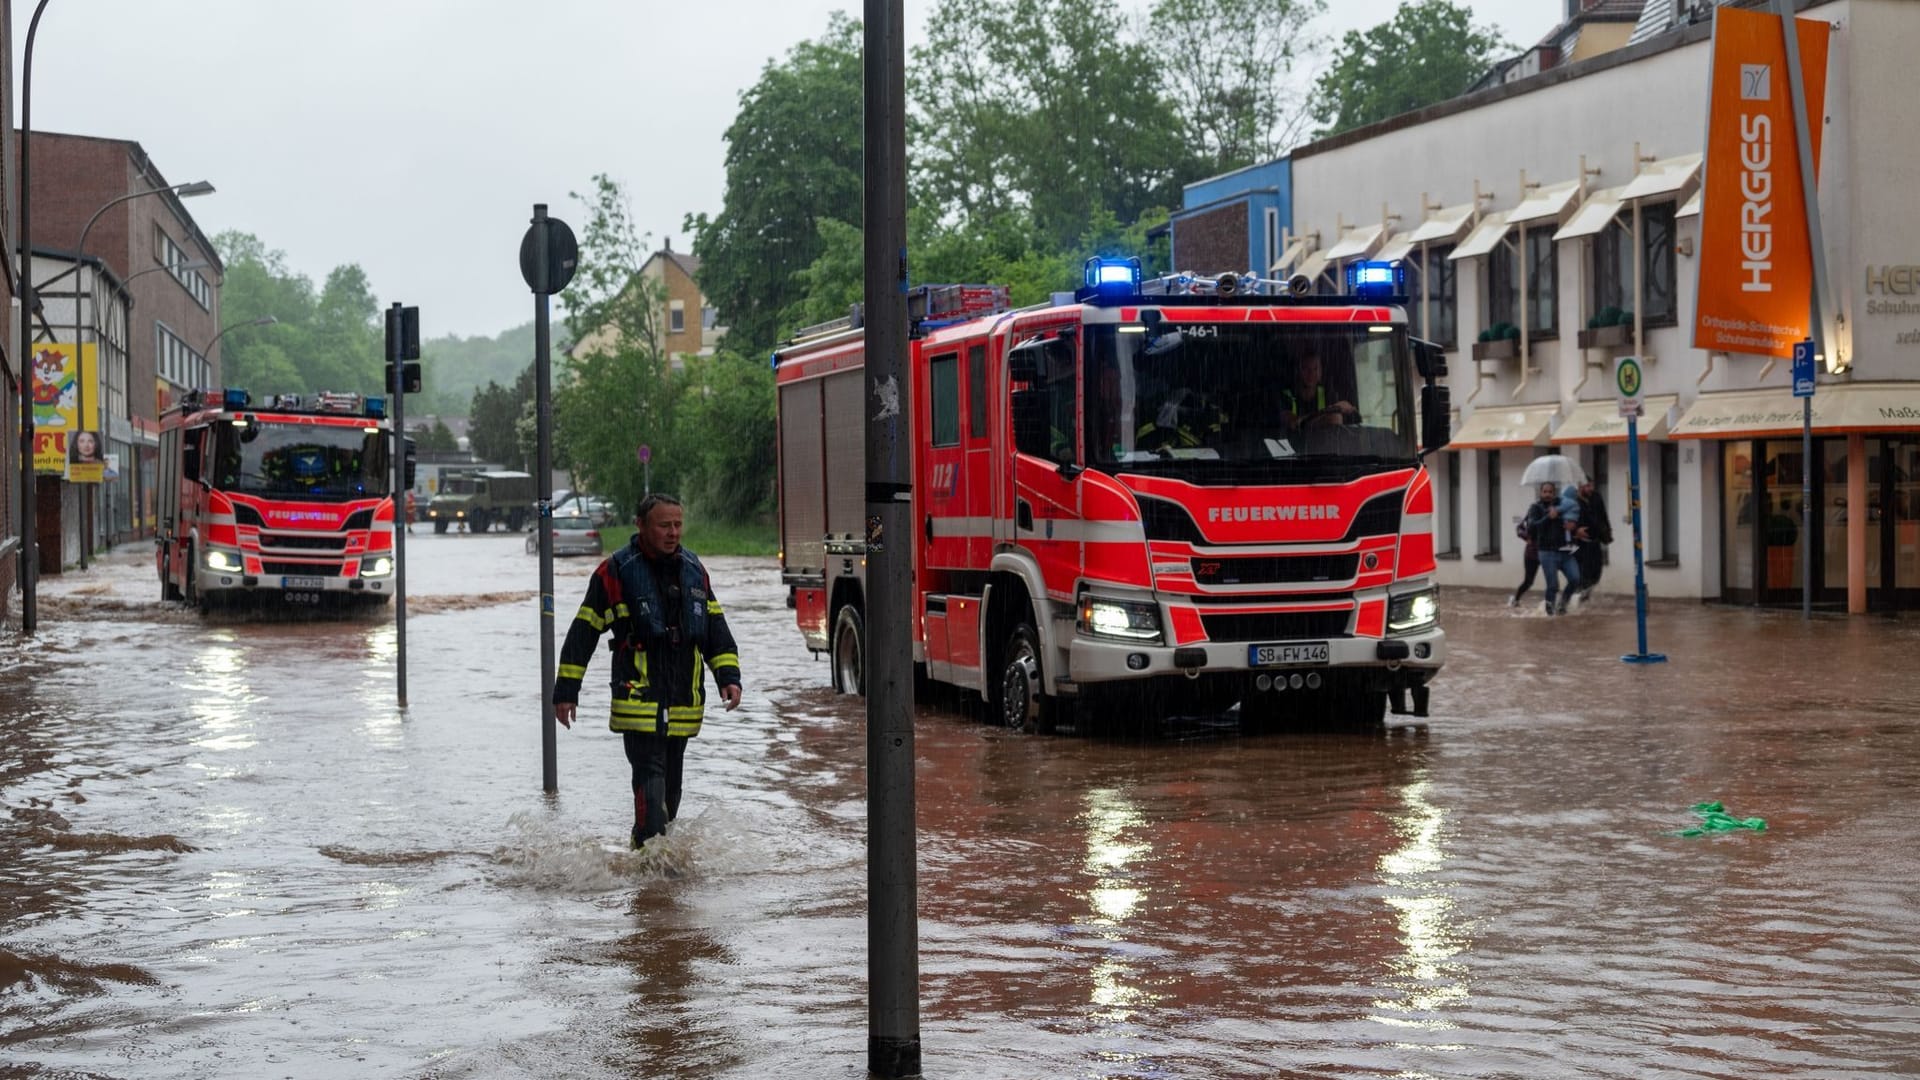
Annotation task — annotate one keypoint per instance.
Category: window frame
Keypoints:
(943, 400)
(1495, 526)
(1444, 302)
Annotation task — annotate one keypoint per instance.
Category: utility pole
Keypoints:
(893, 941)
(403, 344)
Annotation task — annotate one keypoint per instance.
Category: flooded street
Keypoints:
(227, 853)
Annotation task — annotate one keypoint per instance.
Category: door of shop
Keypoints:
(1765, 523)
(1893, 524)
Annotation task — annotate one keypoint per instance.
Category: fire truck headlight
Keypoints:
(1133, 620)
(1412, 611)
(223, 560)
(376, 567)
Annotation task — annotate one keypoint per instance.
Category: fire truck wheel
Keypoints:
(1019, 701)
(167, 590)
(849, 652)
(193, 597)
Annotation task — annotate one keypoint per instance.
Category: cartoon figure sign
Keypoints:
(57, 400)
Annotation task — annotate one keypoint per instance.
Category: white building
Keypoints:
(1564, 181)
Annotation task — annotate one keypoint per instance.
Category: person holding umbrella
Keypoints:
(1551, 525)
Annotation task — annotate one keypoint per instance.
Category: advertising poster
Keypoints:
(1756, 271)
(57, 380)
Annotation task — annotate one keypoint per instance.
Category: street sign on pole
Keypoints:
(548, 257)
(1629, 385)
(1639, 548)
(1803, 368)
(645, 453)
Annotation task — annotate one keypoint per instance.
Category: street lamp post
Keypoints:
(183, 191)
(264, 320)
(119, 290)
(23, 363)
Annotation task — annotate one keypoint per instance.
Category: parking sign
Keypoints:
(1803, 368)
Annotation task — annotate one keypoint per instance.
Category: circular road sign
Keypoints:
(1626, 378)
(645, 453)
(563, 255)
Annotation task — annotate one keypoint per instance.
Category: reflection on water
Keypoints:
(225, 851)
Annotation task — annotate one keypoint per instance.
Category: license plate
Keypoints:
(303, 583)
(1296, 652)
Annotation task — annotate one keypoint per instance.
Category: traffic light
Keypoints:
(410, 376)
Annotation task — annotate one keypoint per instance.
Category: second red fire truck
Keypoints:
(289, 499)
(1191, 491)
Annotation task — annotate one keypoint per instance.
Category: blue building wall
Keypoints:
(1262, 188)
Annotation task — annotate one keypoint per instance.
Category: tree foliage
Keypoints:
(325, 339)
(793, 159)
(492, 420)
(436, 437)
(1428, 52)
(1228, 67)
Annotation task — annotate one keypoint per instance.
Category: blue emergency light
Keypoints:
(1113, 275)
(1377, 279)
(235, 398)
(376, 408)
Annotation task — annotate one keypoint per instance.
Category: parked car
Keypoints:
(573, 534)
(595, 508)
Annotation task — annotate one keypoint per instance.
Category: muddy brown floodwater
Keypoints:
(225, 852)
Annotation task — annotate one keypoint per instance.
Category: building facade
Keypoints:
(141, 226)
(1235, 221)
(687, 325)
(1552, 225)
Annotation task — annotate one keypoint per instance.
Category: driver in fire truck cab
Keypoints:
(1308, 402)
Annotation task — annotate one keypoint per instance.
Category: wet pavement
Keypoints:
(224, 851)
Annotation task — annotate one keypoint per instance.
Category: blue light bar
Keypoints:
(377, 408)
(235, 398)
(1117, 275)
(1377, 279)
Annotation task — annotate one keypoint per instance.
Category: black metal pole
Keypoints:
(543, 466)
(396, 366)
(23, 363)
(893, 962)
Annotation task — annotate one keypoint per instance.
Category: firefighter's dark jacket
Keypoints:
(657, 673)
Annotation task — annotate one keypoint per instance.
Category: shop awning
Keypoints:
(1545, 204)
(1444, 225)
(1314, 265)
(1662, 178)
(1295, 249)
(1601, 422)
(1357, 243)
(1838, 409)
(1594, 214)
(1689, 208)
(1482, 238)
(1492, 427)
(1396, 248)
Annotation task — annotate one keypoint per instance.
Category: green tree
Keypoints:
(614, 390)
(1227, 66)
(492, 433)
(1040, 105)
(437, 437)
(325, 340)
(1428, 52)
(730, 477)
(793, 159)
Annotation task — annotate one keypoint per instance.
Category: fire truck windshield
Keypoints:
(1188, 397)
(308, 460)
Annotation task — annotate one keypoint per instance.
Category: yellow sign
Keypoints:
(57, 408)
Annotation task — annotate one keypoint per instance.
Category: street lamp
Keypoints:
(264, 320)
(29, 549)
(184, 191)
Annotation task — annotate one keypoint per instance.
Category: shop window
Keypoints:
(1668, 500)
(1492, 528)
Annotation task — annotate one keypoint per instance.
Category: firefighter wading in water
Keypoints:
(655, 597)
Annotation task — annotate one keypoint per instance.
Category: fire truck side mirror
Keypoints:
(1436, 409)
(1023, 363)
(1429, 360)
(1031, 409)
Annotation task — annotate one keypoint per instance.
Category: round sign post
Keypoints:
(1630, 385)
(549, 255)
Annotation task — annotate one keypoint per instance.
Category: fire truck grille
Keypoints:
(301, 569)
(1274, 570)
(304, 542)
(1277, 626)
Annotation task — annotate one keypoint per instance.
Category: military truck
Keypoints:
(481, 500)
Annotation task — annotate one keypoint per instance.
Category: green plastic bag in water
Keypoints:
(1714, 818)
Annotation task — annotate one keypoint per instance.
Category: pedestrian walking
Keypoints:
(1550, 523)
(1532, 563)
(1595, 533)
(654, 596)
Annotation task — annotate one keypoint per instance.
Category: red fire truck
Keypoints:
(290, 499)
(1189, 491)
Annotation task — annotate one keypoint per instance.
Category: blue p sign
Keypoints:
(1803, 368)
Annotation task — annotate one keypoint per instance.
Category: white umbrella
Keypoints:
(1557, 468)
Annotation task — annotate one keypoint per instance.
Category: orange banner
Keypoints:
(1755, 290)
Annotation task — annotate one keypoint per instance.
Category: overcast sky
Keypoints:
(414, 136)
